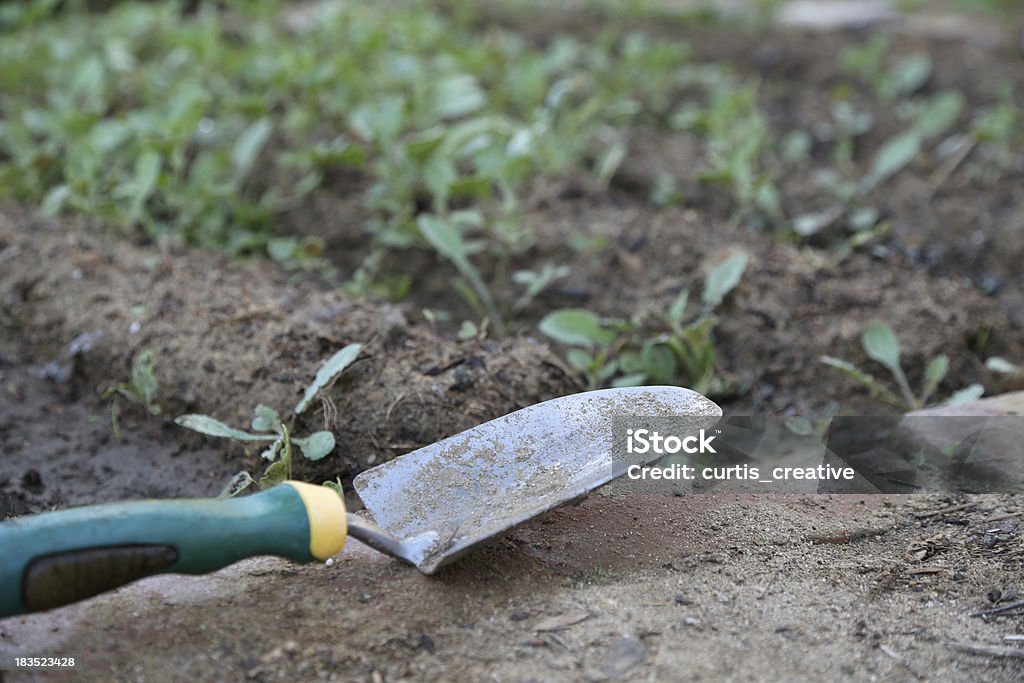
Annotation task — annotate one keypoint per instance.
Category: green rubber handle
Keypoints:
(55, 558)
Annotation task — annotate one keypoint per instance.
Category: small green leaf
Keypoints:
(147, 172)
(459, 95)
(908, 76)
(248, 147)
(475, 186)
(204, 424)
(266, 419)
(236, 485)
(580, 359)
(881, 344)
(863, 219)
(799, 425)
(336, 487)
(864, 378)
(678, 308)
(809, 224)
(659, 363)
(892, 157)
(933, 374)
(576, 327)
(940, 114)
(422, 145)
(144, 380)
(316, 445)
(630, 363)
(282, 249)
(968, 394)
(55, 199)
(275, 474)
(271, 452)
(722, 279)
(1003, 366)
(609, 162)
(605, 372)
(444, 236)
(331, 368)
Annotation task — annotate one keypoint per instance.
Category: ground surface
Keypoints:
(627, 584)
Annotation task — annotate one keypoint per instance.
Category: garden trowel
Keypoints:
(429, 506)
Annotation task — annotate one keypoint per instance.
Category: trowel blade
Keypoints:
(447, 498)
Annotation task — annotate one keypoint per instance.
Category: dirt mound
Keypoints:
(227, 336)
(792, 306)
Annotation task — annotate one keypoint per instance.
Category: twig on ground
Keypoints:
(999, 610)
(935, 513)
(1008, 515)
(989, 650)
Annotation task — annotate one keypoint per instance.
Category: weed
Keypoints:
(267, 426)
(882, 346)
(737, 136)
(470, 330)
(998, 130)
(816, 426)
(142, 387)
(906, 76)
(932, 117)
(665, 348)
(446, 236)
(535, 282)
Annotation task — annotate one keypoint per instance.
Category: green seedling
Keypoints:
(933, 117)
(930, 118)
(592, 339)
(141, 389)
(816, 426)
(268, 426)
(850, 123)
(445, 234)
(737, 140)
(998, 131)
(470, 330)
(882, 346)
(663, 349)
(536, 281)
(905, 77)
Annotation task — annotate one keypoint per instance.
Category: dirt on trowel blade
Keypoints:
(476, 485)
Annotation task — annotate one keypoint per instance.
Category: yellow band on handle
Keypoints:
(327, 521)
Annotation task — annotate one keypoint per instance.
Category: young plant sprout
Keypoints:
(882, 346)
(268, 426)
(676, 348)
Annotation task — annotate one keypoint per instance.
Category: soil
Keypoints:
(628, 584)
(228, 336)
